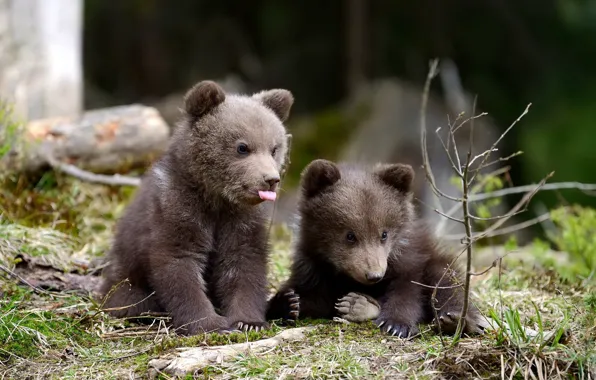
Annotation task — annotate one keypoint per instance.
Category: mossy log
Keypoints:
(108, 140)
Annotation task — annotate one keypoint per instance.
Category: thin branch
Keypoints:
(525, 188)
(453, 165)
(493, 265)
(468, 226)
(483, 154)
(517, 190)
(504, 230)
(523, 202)
(501, 159)
(441, 225)
(423, 144)
(437, 287)
(494, 217)
(470, 119)
(452, 135)
(502, 136)
(83, 175)
(449, 217)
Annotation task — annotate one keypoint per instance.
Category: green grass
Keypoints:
(65, 336)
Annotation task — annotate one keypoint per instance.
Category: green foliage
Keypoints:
(576, 236)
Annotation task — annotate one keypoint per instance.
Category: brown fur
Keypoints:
(195, 234)
(339, 200)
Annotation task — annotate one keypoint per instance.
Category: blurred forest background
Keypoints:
(357, 69)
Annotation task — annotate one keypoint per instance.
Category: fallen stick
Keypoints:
(191, 359)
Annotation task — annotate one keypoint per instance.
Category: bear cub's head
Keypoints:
(355, 217)
(233, 145)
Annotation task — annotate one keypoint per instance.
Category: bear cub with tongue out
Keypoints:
(193, 243)
(362, 254)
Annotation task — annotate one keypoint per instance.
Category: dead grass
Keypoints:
(50, 336)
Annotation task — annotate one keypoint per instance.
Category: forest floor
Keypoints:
(51, 230)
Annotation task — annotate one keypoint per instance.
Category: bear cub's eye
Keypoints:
(384, 236)
(274, 151)
(351, 237)
(242, 149)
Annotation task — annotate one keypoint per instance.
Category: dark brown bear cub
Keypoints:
(193, 243)
(362, 254)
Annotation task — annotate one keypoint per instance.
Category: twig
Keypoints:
(446, 148)
(437, 287)
(501, 138)
(190, 359)
(516, 190)
(500, 159)
(495, 217)
(84, 175)
(468, 227)
(425, 160)
(474, 190)
(524, 201)
(448, 216)
(493, 265)
(526, 188)
(505, 230)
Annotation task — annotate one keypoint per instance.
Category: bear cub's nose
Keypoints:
(374, 277)
(272, 181)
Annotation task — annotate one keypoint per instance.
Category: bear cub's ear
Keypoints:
(318, 176)
(279, 101)
(398, 176)
(203, 97)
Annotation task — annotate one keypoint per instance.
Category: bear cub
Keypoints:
(362, 254)
(193, 243)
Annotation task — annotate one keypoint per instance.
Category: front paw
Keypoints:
(285, 305)
(356, 307)
(474, 323)
(395, 328)
(200, 325)
(250, 326)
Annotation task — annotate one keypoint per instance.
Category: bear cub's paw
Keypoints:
(395, 328)
(292, 302)
(475, 323)
(217, 324)
(250, 326)
(356, 307)
(285, 305)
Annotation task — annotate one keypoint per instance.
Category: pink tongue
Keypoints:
(268, 195)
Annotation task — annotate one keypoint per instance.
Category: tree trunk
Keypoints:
(107, 140)
(40, 57)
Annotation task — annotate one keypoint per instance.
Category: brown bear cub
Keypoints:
(362, 254)
(194, 243)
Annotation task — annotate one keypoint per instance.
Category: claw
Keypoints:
(389, 327)
(381, 324)
(239, 325)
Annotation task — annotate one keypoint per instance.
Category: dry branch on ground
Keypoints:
(191, 359)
